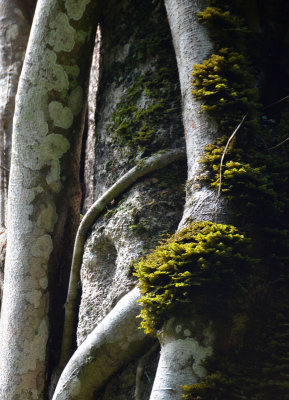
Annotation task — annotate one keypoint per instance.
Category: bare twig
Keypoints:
(272, 105)
(224, 153)
(276, 102)
(279, 144)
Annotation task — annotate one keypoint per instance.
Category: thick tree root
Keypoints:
(113, 343)
(144, 167)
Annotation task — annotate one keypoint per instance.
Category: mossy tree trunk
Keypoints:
(44, 192)
(182, 353)
(192, 45)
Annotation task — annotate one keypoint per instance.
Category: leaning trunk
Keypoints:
(192, 45)
(45, 169)
(182, 353)
(15, 26)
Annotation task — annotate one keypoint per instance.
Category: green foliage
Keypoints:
(204, 262)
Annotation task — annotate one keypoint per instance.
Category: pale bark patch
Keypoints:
(12, 32)
(62, 34)
(42, 247)
(76, 8)
(61, 116)
(75, 100)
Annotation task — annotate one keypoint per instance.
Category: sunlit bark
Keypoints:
(15, 23)
(44, 194)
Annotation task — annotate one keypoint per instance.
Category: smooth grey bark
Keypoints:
(15, 23)
(182, 353)
(113, 343)
(144, 167)
(186, 341)
(192, 45)
(44, 190)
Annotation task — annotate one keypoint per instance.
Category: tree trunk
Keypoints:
(15, 27)
(114, 342)
(145, 167)
(181, 350)
(44, 193)
(186, 341)
(192, 46)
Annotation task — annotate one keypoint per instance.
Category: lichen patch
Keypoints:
(62, 34)
(12, 32)
(47, 218)
(61, 116)
(76, 8)
(55, 76)
(75, 100)
(42, 247)
(53, 147)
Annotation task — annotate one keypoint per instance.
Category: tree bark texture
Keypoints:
(182, 352)
(114, 342)
(15, 23)
(192, 45)
(44, 194)
(137, 57)
(146, 166)
(186, 341)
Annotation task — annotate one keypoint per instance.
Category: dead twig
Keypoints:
(224, 153)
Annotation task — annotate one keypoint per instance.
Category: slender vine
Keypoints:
(144, 167)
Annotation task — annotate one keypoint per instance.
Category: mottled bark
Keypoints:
(44, 193)
(114, 342)
(186, 341)
(182, 353)
(192, 46)
(146, 166)
(15, 23)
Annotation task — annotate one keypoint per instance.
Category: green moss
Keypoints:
(205, 263)
(148, 115)
(214, 386)
(136, 118)
(253, 364)
(226, 86)
(224, 27)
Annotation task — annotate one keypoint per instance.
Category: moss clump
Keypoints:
(225, 84)
(214, 386)
(224, 27)
(204, 262)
